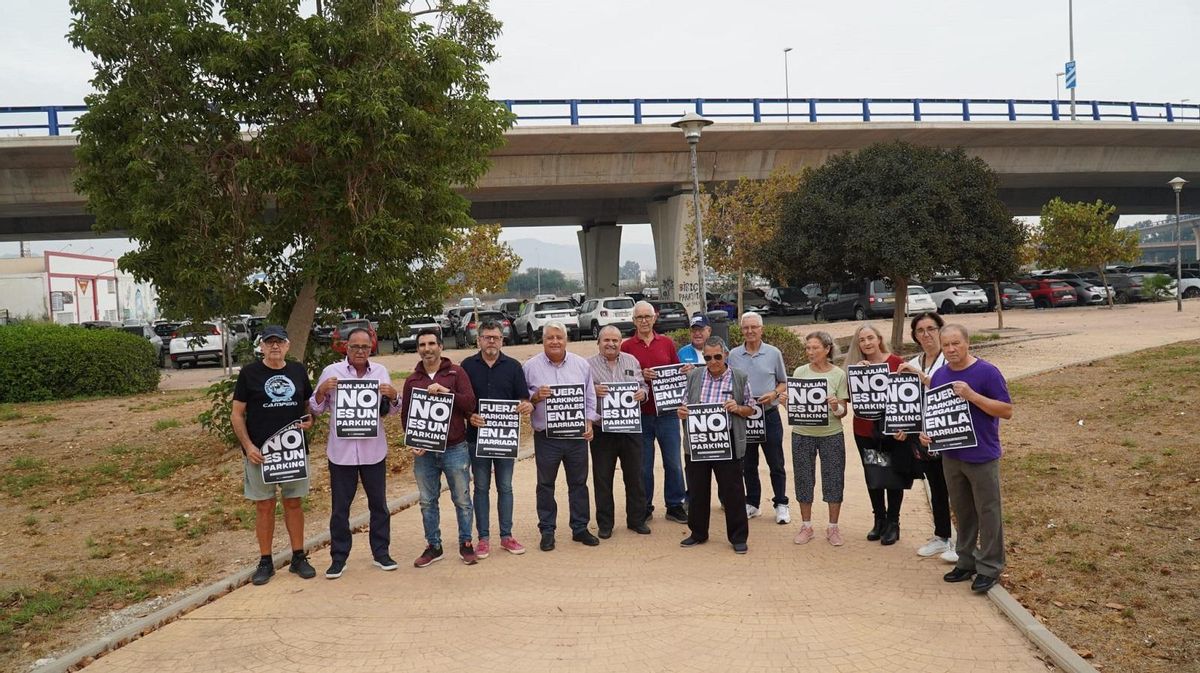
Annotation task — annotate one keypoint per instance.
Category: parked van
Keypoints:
(858, 300)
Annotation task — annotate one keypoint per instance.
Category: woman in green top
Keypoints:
(825, 441)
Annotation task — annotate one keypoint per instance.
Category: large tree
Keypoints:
(1084, 235)
(478, 261)
(318, 150)
(893, 210)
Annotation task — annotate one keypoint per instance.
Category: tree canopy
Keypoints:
(546, 281)
(1083, 235)
(320, 151)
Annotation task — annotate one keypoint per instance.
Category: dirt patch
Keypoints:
(1102, 507)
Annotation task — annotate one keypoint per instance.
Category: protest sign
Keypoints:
(500, 437)
(285, 455)
(868, 389)
(902, 413)
(669, 388)
(428, 422)
(619, 409)
(356, 408)
(808, 402)
(564, 412)
(756, 425)
(708, 432)
(947, 420)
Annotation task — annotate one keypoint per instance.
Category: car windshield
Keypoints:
(969, 286)
(882, 286)
(421, 320)
(562, 305)
(351, 324)
(619, 303)
(791, 294)
(490, 315)
(669, 306)
(1059, 285)
(1011, 287)
(916, 290)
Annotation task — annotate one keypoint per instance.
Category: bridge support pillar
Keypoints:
(600, 248)
(670, 222)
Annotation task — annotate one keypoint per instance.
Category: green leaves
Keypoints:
(1075, 235)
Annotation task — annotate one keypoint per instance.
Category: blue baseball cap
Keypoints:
(274, 332)
(699, 321)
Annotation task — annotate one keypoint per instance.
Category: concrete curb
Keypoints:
(82, 656)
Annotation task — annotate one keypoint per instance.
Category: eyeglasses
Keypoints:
(642, 317)
(490, 337)
(273, 342)
(718, 357)
(926, 330)
(356, 347)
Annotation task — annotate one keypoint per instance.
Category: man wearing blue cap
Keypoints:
(270, 394)
(701, 331)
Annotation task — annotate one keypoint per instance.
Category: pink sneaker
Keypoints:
(482, 548)
(834, 535)
(511, 545)
(804, 536)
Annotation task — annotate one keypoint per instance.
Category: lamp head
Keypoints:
(1177, 184)
(691, 124)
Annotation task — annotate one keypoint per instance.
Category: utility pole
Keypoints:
(1071, 37)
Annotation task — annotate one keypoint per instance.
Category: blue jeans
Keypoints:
(428, 468)
(664, 428)
(482, 469)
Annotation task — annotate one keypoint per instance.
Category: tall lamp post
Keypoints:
(1177, 184)
(1057, 86)
(691, 124)
(1071, 37)
(787, 85)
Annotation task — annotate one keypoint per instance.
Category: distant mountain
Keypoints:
(566, 258)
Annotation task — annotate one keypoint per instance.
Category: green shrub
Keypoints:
(1157, 286)
(785, 340)
(217, 419)
(42, 361)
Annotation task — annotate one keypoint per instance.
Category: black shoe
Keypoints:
(740, 548)
(958, 575)
(301, 566)
(690, 541)
(677, 514)
(263, 573)
(605, 533)
(586, 538)
(335, 570)
(642, 529)
(547, 541)
(877, 530)
(891, 533)
(385, 562)
(982, 583)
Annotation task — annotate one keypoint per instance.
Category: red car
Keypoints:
(1049, 293)
(343, 330)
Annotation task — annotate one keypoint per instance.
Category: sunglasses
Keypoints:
(718, 357)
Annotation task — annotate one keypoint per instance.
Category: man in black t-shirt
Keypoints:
(270, 395)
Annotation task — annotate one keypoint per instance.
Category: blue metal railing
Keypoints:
(54, 119)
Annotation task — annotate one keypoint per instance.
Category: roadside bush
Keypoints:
(43, 361)
(217, 419)
(788, 343)
(1157, 287)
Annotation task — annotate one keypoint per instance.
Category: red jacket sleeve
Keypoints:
(464, 392)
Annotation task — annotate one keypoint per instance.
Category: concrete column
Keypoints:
(670, 221)
(1196, 236)
(600, 248)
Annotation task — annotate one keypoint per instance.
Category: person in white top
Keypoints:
(925, 332)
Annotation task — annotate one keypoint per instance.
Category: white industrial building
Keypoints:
(69, 288)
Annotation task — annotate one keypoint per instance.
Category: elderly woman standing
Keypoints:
(884, 460)
(826, 441)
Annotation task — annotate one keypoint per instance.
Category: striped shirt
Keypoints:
(717, 390)
(625, 369)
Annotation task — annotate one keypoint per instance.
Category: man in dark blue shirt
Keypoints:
(494, 376)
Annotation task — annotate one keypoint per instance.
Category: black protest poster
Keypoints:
(868, 389)
(285, 455)
(708, 432)
(564, 412)
(669, 388)
(756, 425)
(902, 413)
(619, 409)
(428, 422)
(947, 420)
(500, 437)
(808, 402)
(356, 408)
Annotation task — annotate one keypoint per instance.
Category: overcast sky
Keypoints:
(1147, 50)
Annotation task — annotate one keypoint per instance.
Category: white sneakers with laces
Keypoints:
(783, 514)
(933, 547)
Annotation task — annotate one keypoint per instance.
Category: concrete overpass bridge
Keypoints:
(600, 164)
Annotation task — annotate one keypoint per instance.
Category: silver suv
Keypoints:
(528, 326)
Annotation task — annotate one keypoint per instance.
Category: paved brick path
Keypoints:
(640, 603)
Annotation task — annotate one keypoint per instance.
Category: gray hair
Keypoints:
(558, 325)
(957, 327)
(607, 328)
(855, 355)
(751, 316)
(717, 341)
(831, 347)
(645, 304)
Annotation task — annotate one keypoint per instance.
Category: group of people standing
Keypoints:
(749, 380)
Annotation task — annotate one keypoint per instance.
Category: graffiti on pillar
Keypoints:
(666, 289)
(688, 292)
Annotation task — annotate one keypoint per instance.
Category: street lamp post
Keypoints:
(1071, 37)
(1177, 184)
(691, 124)
(1057, 86)
(787, 85)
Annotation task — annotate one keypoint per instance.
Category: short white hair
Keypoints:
(612, 328)
(645, 304)
(558, 325)
(751, 316)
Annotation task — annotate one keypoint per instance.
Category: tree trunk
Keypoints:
(300, 322)
(1104, 282)
(741, 277)
(900, 308)
(999, 304)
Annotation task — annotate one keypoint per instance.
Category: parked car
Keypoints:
(919, 300)
(202, 343)
(470, 330)
(147, 332)
(164, 329)
(98, 324)
(672, 315)
(1191, 284)
(406, 340)
(342, 332)
(1049, 292)
(256, 324)
(545, 297)
(509, 307)
(858, 300)
(528, 326)
(1012, 295)
(1126, 287)
(792, 300)
(752, 300)
(957, 295)
(597, 313)
(1087, 292)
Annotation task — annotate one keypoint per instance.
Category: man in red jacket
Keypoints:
(437, 375)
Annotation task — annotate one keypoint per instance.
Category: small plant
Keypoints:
(1157, 286)
(7, 413)
(30, 521)
(217, 419)
(165, 424)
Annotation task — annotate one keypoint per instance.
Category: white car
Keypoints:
(597, 313)
(919, 301)
(1191, 284)
(528, 326)
(192, 347)
(956, 295)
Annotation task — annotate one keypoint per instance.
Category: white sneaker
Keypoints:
(783, 514)
(933, 547)
(752, 511)
(950, 556)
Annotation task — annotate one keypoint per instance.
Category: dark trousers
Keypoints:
(343, 486)
(607, 449)
(772, 448)
(975, 495)
(939, 496)
(730, 490)
(572, 454)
